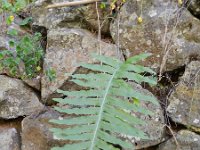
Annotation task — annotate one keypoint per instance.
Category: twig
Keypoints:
(167, 48)
(119, 52)
(99, 28)
(65, 4)
(177, 144)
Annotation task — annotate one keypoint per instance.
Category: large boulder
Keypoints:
(184, 102)
(66, 49)
(168, 31)
(10, 139)
(155, 124)
(51, 18)
(36, 133)
(80, 16)
(183, 140)
(17, 99)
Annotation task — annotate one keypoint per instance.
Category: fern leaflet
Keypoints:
(102, 113)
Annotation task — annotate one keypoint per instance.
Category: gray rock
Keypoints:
(9, 139)
(91, 19)
(194, 7)
(187, 140)
(81, 16)
(177, 43)
(3, 43)
(50, 18)
(35, 131)
(67, 48)
(34, 82)
(16, 99)
(154, 127)
(184, 102)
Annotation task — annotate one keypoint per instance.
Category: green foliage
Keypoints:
(102, 112)
(12, 32)
(51, 74)
(26, 56)
(103, 5)
(12, 6)
(112, 4)
(26, 21)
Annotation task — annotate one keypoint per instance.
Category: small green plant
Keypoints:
(102, 112)
(8, 9)
(113, 4)
(51, 74)
(24, 57)
(12, 6)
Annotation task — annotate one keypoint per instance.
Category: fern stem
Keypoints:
(101, 109)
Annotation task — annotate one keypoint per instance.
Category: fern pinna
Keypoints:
(102, 112)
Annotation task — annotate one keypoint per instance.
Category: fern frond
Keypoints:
(102, 112)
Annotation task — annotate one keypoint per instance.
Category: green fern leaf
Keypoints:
(102, 112)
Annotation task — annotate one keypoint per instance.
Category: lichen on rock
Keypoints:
(184, 102)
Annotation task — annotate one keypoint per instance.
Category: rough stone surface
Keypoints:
(194, 7)
(82, 16)
(34, 82)
(154, 126)
(187, 140)
(184, 102)
(168, 32)
(16, 99)
(3, 43)
(67, 48)
(90, 16)
(9, 139)
(35, 131)
(51, 18)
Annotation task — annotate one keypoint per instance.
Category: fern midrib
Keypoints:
(101, 109)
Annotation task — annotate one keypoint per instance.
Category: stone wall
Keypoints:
(169, 31)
